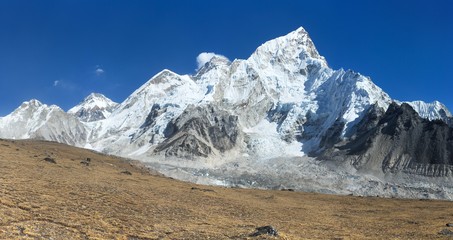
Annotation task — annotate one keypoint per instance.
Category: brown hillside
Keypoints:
(51, 191)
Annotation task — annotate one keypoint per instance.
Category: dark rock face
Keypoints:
(156, 111)
(198, 130)
(184, 145)
(362, 130)
(278, 114)
(450, 121)
(399, 141)
(332, 135)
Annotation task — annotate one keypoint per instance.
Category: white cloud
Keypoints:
(99, 71)
(56, 83)
(204, 57)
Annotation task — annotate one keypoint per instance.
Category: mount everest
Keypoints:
(280, 119)
(93, 108)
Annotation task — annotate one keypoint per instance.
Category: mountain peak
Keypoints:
(432, 110)
(96, 99)
(94, 107)
(296, 43)
(298, 33)
(218, 60)
(302, 39)
(93, 96)
(164, 77)
(292, 51)
(215, 62)
(32, 103)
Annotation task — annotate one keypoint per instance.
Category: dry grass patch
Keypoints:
(86, 195)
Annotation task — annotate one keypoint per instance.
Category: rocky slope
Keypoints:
(197, 129)
(400, 140)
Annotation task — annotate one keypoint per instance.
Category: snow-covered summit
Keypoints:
(129, 126)
(31, 103)
(432, 110)
(296, 49)
(94, 107)
(31, 110)
(33, 119)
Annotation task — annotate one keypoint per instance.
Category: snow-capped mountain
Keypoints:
(285, 87)
(38, 121)
(258, 119)
(431, 111)
(131, 126)
(93, 108)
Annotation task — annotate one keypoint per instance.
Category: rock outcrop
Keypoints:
(401, 141)
(199, 131)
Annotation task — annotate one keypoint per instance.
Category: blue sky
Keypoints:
(60, 51)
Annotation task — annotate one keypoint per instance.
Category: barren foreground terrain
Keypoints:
(53, 191)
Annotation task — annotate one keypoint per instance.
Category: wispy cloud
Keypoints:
(99, 71)
(64, 84)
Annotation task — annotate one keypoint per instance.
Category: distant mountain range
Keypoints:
(252, 118)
